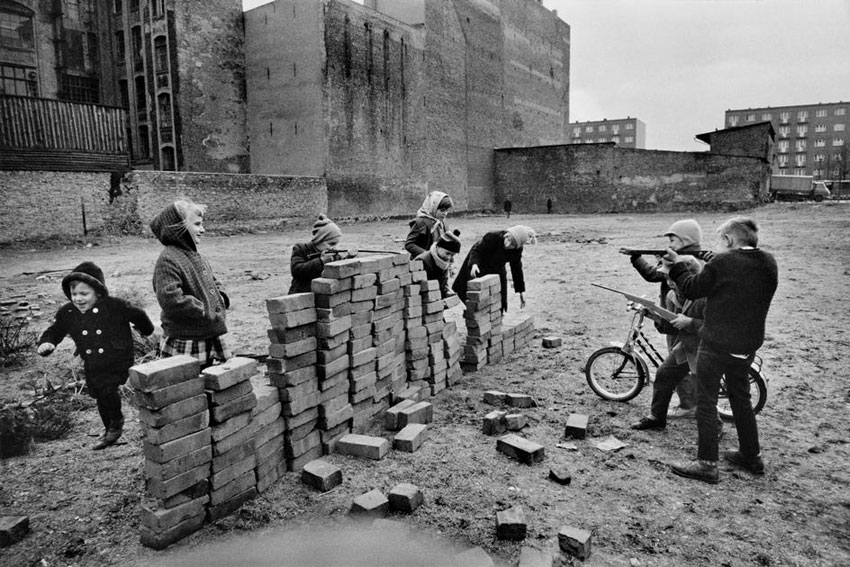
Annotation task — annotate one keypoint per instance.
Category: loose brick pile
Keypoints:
(372, 332)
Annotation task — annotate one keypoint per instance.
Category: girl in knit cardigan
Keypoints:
(192, 301)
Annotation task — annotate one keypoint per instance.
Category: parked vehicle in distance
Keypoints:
(797, 188)
(839, 189)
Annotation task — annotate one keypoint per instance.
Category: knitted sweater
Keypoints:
(192, 302)
(739, 286)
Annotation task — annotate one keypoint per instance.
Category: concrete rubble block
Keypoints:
(552, 342)
(575, 542)
(511, 524)
(223, 376)
(160, 539)
(495, 397)
(13, 529)
(515, 421)
(494, 423)
(521, 449)
(372, 504)
(321, 475)
(576, 427)
(367, 446)
(405, 497)
(411, 437)
(520, 401)
(420, 412)
(164, 372)
(560, 475)
(290, 303)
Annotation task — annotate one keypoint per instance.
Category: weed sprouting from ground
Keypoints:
(16, 338)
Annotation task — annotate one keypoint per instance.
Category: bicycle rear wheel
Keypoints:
(758, 395)
(615, 374)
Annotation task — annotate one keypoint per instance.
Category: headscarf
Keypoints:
(324, 229)
(429, 210)
(522, 235)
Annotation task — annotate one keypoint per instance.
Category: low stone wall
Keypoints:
(45, 204)
(372, 332)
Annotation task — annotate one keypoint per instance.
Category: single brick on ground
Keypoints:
(372, 504)
(511, 524)
(576, 427)
(523, 450)
(405, 497)
(321, 475)
(575, 542)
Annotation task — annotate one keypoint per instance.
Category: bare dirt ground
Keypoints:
(83, 505)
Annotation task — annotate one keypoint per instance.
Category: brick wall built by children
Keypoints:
(373, 332)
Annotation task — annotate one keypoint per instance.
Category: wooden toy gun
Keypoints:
(704, 255)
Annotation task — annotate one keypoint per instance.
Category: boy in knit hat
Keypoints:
(192, 301)
(683, 236)
(309, 258)
(438, 260)
(99, 325)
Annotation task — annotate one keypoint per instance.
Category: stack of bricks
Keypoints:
(483, 312)
(453, 349)
(293, 369)
(231, 401)
(177, 448)
(432, 318)
(416, 345)
(269, 440)
(517, 331)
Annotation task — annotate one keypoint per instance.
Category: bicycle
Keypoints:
(619, 372)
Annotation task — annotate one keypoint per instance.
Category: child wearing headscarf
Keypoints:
(489, 256)
(429, 224)
(309, 258)
(438, 260)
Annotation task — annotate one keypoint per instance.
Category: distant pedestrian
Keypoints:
(99, 325)
(508, 207)
(489, 256)
(192, 301)
(429, 224)
(549, 205)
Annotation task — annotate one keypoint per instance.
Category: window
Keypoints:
(835, 157)
(164, 101)
(782, 146)
(160, 54)
(802, 131)
(120, 47)
(615, 139)
(603, 128)
(158, 8)
(118, 6)
(819, 157)
(630, 139)
(817, 173)
(615, 129)
(733, 121)
(765, 116)
(803, 116)
(18, 80)
(137, 47)
(751, 117)
(840, 111)
(838, 127)
(838, 141)
(630, 126)
(800, 171)
(820, 142)
(16, 29)
(168, 162)
(783, 161)
(588, 128)
(784, 131)
(141, 100)
(80, 89)
(784, 117)
(820, 113)
(820, 128)
(134, 4)
(577, 132)
(800, 160)
(836, 172)
(800, 145)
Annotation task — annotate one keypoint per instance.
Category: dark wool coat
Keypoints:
(421, 236)
(193, 304)
(491, 256)
(306, 265)
(102, 336)
(739, 286)
(435, 273)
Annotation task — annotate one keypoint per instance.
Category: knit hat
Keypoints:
(522, 235)
(89, 273)
(687, 230)
(450, 241)
(325, 229)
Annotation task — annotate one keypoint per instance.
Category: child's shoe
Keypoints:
(705, 471)
(755, 465)
(649, 423)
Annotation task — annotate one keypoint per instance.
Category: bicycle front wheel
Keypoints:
(758, 395)
(614, 374)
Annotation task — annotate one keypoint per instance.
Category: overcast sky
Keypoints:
(678, 65)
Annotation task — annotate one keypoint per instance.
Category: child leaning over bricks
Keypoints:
(99, 325)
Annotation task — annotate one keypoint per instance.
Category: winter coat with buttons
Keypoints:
(192, 301)
(102, 336)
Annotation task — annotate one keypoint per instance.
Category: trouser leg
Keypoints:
(710, 368)
(667, 377)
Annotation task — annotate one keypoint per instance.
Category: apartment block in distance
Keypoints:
(810, 138)
(625, 132)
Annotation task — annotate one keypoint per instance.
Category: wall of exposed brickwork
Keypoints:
(210, 97)
(600, 178)
(40, 204)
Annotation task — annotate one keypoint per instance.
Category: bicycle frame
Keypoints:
(636, 341)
